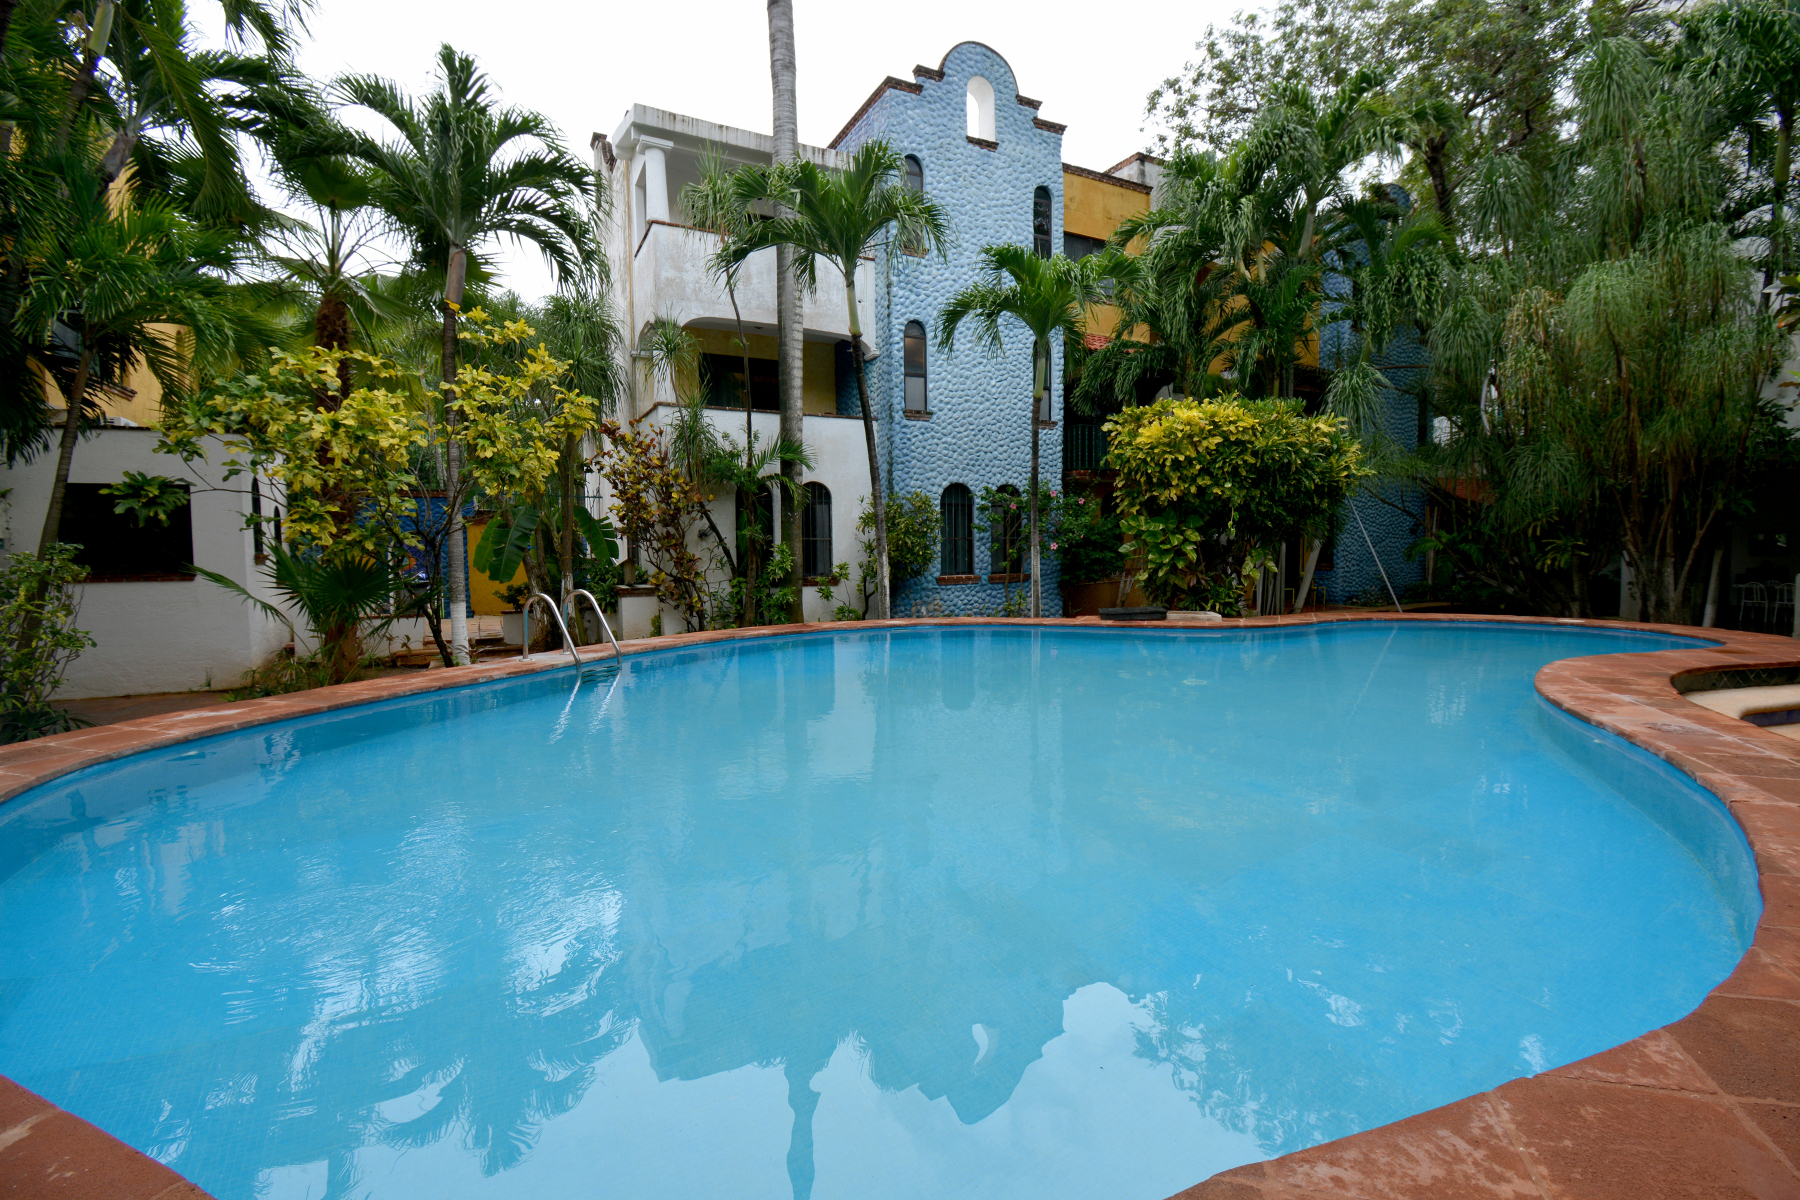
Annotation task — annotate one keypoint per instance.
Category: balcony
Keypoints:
(669, 278)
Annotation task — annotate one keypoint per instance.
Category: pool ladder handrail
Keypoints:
(525, 612)
(618, 654)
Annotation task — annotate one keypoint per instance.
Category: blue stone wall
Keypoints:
(1393, 518)
(979, 431)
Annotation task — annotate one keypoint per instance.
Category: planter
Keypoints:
(638, 608)
(512, 628)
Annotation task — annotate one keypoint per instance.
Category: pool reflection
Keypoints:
(866, 916)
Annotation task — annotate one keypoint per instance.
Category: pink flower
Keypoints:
(1053, 545)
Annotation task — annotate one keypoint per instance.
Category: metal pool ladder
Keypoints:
(568, 642)
(618, 654)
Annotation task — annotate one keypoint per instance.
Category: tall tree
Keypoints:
(1751, 51)
(143, 285)
(790, 333)
(841, 216)
(1050, 297)
(464, 172)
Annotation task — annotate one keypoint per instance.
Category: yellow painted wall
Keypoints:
(818, 389)
(484, 593)
(144, 408)
(1094, 209)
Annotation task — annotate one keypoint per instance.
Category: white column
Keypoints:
(656, 177)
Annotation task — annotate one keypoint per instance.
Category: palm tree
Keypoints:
(163, 106)
(1234, 250)
(1753, 47)
(144, 285)
(841, 216)
(1050, 297)
(319, 266)
(712, 203)
(465, 171)
(790, 345)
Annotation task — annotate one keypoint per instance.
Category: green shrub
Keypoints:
(912, 534)
(1208, 488)
(1088, 545)
(38, 641)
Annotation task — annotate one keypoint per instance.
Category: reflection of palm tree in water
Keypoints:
(758, 915)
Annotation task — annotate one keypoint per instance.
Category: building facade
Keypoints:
(949, 424)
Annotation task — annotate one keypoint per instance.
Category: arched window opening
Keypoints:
(956, 512)
(915, 173)
(981, 109)
(1040, 222)
(913, 346)
(1006, 532)
(815, 532)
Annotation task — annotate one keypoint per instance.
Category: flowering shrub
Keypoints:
(655, 504)
(1207, 488)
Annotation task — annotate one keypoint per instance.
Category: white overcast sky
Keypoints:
(583, 64)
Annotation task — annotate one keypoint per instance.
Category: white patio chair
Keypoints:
(1752, 596)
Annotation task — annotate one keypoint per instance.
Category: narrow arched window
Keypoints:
(815, 532)
(981, 109)
(915, 173)
(956, 512)
(914, 366)
(1040, 222)
(1006, 531)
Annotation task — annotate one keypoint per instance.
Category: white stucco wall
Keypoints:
(155, 637)
(670, 278)
(841, 463)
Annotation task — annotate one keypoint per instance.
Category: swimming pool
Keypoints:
(936, 912)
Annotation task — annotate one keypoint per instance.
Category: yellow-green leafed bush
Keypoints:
(1208, 488)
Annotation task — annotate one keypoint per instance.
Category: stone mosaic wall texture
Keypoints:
(979, 430)
(1394, 518)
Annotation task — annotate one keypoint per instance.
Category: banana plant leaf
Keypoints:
(504, 542)
(602, 540)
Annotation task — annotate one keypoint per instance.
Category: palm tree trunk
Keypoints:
(83, 83)
(747, 555)
(331, 331)
(565, 540)
(6, 13)
(1312, 561)
(877, 496)
(1784, 147)
(1039, 377)
(457, 586)
(65, 454)
(790, 344)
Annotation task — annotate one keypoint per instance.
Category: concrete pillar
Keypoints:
(656, 177)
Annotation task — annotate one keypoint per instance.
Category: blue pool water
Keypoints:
(971, 912)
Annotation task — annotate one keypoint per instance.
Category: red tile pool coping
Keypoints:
(1706, 1107)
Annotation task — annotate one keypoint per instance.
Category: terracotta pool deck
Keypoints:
(1706, 1107)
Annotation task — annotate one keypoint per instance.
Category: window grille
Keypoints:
(957, 512)
(815, 532)
(914, 355)
(1006, 532)
(1040, 222)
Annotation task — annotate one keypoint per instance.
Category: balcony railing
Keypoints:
(1084, 446)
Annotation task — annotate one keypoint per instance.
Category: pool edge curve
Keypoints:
(1711, 1100)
